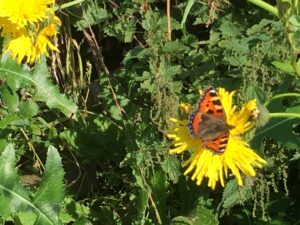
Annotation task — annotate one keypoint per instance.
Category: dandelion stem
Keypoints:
(271, 9)
(68, 4)
(282, 96)
(284, 115)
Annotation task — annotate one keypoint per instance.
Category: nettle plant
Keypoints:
(97, 97)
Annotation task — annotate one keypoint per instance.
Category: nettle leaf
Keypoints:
(93, 14)
(44, 91)
(199, 216)
(233, 195)
(228, 28)
(15, 199)
(171, 167)
(136, 53)
(203, 215)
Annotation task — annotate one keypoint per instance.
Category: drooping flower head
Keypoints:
(29, 27)
(237, 158)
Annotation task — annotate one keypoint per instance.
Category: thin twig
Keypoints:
(37, 159)
(79, 174)
(169, 37)
(151, 199)
(96, 51)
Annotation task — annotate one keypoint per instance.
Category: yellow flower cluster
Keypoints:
(238, 157)
(28, 25)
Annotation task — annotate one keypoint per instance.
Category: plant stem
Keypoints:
(281, 96)
(68, 4)
(284, 115)
(271, 9)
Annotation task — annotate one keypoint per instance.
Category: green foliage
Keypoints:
(105, 101)
(40, 207)
(17, 77)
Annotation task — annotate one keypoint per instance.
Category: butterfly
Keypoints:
(208, 122)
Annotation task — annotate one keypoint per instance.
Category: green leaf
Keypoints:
(136, 53)
(142, 204)
(284, 66)
(158, 187)
(199, 216)
(230, 29)
(181, 220)
(92, 14)
(51, 190)
(45, 90)
(49, 93)
(171, 167)
(280, 129)
(8, 120)
(73, 211)
(233, 194)
(174, 47)
(15, 199)
(186, 11)
(10, 99)
(203, 215)
(29, 108)
(27, 218)
(13, 196)
(82, 221)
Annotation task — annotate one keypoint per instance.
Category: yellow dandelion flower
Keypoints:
(24, 12)
(30, 45)
(213, 157)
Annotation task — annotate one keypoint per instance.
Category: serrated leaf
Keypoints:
(93, 14)
(73, 211)
(175, 47)
(49, 93)
(199, 216)
(10, 99)
(254, 92)
(28, 109)
(233, 194)
(158, 188)
(51, 190)
(203, 215)
(136, 53)
(9, 69)
(229, 29)
(45, 90)
(171, 167)
(13, 196)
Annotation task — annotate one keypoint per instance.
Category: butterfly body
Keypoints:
(208, 122)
